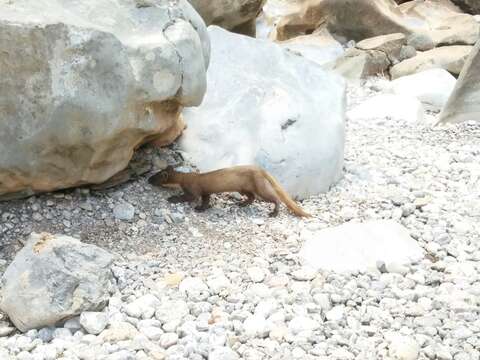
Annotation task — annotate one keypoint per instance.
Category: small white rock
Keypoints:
(168, 339)
(336, 313)
(124, 211)
(403, 348)
(256, 274)
(194, 288)
(93, 322)
(223, 353)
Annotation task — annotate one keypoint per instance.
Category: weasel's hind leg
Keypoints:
(250, 198)
(274, 212)
(267, 193)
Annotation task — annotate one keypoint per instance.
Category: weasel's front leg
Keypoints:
(185, 197)
(205, 203)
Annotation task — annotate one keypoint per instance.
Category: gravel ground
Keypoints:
(230, 284)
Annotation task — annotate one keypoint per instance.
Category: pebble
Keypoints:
(336, 313)
(93, 322)
(194, 288)
(256, 326)
(124, 211)
(256, 274)
(403, 348)
(223, 353)
(168, 339)
(304, 274)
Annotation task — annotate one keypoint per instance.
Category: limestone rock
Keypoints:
(235, 15)
(360, 64)
(421, 41)
(274, 11)
(93, 322)
(442, 22)
(464, 103)
(358, 247)
(276, 110)
(432, 87)
(470, 6)
(403, 348)
(390, 45)
(357, 20)
(53, 278)
(450, 58)
(90, 82)
(319, 47)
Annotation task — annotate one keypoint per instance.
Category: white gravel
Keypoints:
(227, 283)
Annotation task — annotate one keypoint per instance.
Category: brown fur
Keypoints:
(250, 181)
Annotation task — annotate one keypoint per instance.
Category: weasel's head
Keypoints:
(162, 178)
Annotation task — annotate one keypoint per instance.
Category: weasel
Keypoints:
(251, 181)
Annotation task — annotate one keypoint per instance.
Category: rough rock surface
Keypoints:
(359, 246)
(276, 110)
(361, 64)
(442, 22)
(432, 87)
(272, 12)
(390, 45)
(470, 6)
(53, 278)
(319, 47)
(357, 20)
(450, 58)
(90, 82)
(464, 102)
(234, 15)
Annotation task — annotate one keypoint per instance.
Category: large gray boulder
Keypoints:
(274, 109)
(84, 83)
(53, 278)
(235, 15)
(464, 103)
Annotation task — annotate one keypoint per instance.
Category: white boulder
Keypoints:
(359, 246)
(432, 87)
(389, 106)
(273, 109)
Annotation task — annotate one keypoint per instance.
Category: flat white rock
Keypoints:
(359, 246)
(389, 106)
(432, 87)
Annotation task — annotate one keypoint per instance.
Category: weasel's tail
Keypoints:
(286, 199)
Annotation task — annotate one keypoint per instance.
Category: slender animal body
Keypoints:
(250, 181)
